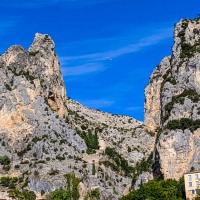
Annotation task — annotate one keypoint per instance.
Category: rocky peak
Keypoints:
(44, 61)
(42, 42)
(40, 66)
(42, 49)
(13, 58)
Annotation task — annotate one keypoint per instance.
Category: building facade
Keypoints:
(192, 184)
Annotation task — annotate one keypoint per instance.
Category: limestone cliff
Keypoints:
(173, 103)
(46, 135)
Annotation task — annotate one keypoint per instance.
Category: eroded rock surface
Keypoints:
(47, 136)
(173, 103)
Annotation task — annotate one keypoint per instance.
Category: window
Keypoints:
(190, 177)
(190, 184)
(197, 176)
(190, 191)
(197, 183)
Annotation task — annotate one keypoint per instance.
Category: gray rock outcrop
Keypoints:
(46, 135)
(173, 103)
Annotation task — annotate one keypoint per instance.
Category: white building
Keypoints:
(192, 184)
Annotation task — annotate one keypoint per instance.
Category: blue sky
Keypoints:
(107, 48)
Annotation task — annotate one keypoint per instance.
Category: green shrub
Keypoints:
(90, 151)
(8, 87)
(186, 50)
(36, 173)
(53, 172)
(5, 160)
(151, 133)
(83, 127)
(60, 158)
(111, 165)
(9, 182)
(129, 149)
(6, 167)
(5, 181)
(93, 195)
(59, 194)
(93, 169)
(17, 166)
(48, 159)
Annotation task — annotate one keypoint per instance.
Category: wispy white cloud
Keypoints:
(97, 103)
(95, 62)
(82, 69)
(161, 35)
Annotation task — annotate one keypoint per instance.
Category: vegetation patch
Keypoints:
(189, 50)
(93, 195)
(91, 140)
(6, 181)
(26, 74)
(184, 123)
(120, 162)
(159, 190)
(8, 87)
(53, 172)
(189, 93)
(167, 77)
(69, 193)
(142, 166)
(5, 160)
(24, 194)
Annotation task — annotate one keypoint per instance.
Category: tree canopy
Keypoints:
(159, 190)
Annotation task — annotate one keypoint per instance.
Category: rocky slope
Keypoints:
(46, 136)
(172, 107)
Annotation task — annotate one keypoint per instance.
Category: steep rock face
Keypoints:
(42, 54)
(37, 140)
(41, 67)
(32, 134)
(153, 95)
(47, 136)
(31, 86)
(178, 145)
